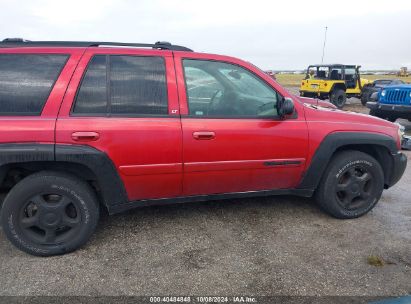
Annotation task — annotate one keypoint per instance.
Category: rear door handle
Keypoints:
(204, 135)
(85, 136)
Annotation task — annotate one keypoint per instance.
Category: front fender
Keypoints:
(334, 141)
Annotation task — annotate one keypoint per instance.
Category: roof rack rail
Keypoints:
(20, 42)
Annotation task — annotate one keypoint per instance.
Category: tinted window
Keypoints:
(219, 89)
(92, 96)
(138, 85)
(26, 81)
(135, 86)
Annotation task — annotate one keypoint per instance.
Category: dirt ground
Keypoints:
(263, 246)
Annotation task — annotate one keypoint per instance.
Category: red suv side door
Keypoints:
(145, 147)
(225, 149)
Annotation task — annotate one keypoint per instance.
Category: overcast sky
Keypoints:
(271, 34)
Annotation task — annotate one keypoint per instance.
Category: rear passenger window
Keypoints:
(123, 85)
(92, 96)
(26, 81)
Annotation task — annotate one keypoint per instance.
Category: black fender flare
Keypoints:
(110, 184)
(342, 85)
(334, 141)
(21, 153)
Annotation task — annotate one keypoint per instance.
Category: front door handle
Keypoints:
(85, 136)
(204, 135)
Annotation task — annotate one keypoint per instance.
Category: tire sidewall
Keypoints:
(335, 95)
(328, 199)
(32, 185)
(365, 97)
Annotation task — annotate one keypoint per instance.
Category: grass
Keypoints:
(294, 80)
(374, 260)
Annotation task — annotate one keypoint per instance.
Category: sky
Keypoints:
(278, 35)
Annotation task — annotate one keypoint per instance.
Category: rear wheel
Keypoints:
(338, 98)
(351, 185)
(50, 213)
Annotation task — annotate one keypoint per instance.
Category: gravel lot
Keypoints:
(262, 246)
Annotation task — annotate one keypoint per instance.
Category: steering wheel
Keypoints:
(213, 100)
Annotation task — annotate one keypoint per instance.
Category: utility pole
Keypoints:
(325, 40)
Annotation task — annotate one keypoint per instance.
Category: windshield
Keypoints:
(382, 82)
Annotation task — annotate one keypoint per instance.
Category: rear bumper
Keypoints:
(314, 94)
(388, 107)
(399, 165)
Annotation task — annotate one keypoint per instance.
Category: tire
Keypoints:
(351, 185)
(50, 213)
(365, 97)
(338, 98)
(376, 113)
(373, 113)
(383, 115)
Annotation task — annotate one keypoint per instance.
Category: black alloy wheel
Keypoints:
(50, 218)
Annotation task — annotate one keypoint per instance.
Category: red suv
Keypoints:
(88, 125)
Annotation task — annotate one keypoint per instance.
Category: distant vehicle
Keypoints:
(403, 72)
(391, 102)
(271, 74)
(334, 81)
(376, 86)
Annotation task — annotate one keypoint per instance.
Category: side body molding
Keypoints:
(337, 140)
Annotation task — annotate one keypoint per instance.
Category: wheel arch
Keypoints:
(20, 160)
(379, 146)
(336, 86)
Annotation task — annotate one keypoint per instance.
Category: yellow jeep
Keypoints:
(336, 82)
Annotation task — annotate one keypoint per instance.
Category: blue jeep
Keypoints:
(392, 102)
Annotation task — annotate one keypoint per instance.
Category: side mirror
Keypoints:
(285, 106)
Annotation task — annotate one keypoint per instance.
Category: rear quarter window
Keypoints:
(26, 81)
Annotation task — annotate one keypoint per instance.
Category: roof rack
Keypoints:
(20, 42)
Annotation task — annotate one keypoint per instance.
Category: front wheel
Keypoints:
(365, 97)
(351, 185)
(338, 98)
(50, 213)
(383, 115)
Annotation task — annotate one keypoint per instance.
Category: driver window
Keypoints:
(219, 89)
